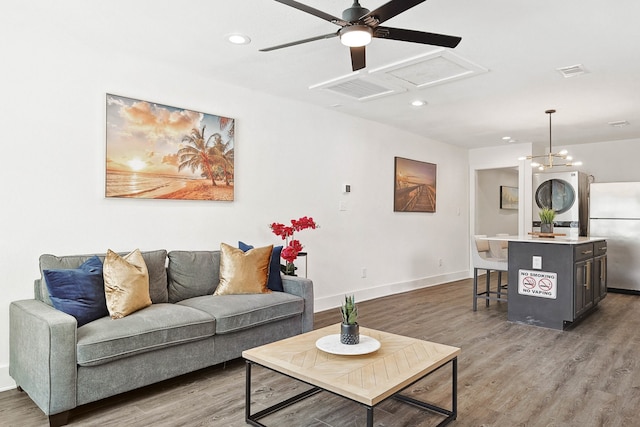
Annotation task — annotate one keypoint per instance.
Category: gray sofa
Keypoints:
(62, 366)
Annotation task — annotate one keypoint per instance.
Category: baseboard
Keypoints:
(326, 303)
(6, 382)
(623, 291)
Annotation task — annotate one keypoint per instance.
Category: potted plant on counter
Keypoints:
(349, 329)
(547, 215)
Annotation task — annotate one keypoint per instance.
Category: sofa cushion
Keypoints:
(78, 291)
(157, 326)
(243, 272)
(237, 312)
(126, 283)
(156, 265)
(156, 262)
(192, 274)
(274, 280)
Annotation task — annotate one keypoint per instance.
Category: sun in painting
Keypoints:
(136, 164)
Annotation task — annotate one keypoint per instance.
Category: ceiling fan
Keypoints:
(358, 25)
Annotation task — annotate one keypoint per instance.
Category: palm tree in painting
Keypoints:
(223, 156)
(230, 123)
(198, 153)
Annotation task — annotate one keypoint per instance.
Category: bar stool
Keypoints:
(501, 251)
(482, 260)
(499, 248)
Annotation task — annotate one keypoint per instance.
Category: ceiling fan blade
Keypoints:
(358, 58)
(310, 39)
(391, 9)
(315, 12)
(416, 36)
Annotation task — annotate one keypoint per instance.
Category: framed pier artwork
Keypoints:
(415, 186)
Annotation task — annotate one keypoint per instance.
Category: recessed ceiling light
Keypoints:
(418, 103)
(237, 38)
(506, 138)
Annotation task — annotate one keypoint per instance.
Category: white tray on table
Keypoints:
(331, 344)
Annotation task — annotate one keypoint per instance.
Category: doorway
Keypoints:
(493, 215)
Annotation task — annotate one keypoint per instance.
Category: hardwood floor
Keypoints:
(508, 374)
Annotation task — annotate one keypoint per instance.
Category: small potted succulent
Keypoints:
(547, 215)
(349, 329)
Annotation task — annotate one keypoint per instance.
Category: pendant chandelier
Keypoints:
(561, 158)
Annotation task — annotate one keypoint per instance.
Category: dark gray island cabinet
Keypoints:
(554, 283)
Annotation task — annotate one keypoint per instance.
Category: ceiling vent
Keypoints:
(358, 87)
(572, 70)
(436, 67)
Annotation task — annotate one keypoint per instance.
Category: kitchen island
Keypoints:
(555, 282)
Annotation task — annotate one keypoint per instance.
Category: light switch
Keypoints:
(536, 262)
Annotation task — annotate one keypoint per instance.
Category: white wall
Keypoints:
(611, 161)
(291, 160)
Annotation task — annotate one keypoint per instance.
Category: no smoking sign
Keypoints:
(540, 284)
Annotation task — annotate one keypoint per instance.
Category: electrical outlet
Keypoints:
(536, 262)
(363, 273)
(440, 262)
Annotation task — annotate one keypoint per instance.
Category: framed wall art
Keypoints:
(508, 197)
(415, 186)
(155, 151)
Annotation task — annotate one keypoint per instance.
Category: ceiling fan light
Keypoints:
(356, 35)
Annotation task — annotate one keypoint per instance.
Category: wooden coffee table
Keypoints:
(367, 379)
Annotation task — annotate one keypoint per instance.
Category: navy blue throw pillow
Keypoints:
(79, 292)
(274, 281)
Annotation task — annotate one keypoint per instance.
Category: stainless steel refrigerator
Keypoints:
(615, 215)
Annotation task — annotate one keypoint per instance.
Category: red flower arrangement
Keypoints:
(293, 247)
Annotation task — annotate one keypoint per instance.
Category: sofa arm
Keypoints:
(42, 354)
(303, 288)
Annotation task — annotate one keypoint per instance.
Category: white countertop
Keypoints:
(563, 240)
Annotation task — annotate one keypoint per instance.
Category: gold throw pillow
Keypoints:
(126, 283)
(243, 272)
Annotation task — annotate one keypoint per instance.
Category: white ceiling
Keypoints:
(521, 44)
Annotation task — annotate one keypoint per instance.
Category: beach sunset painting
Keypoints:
(155, 151)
